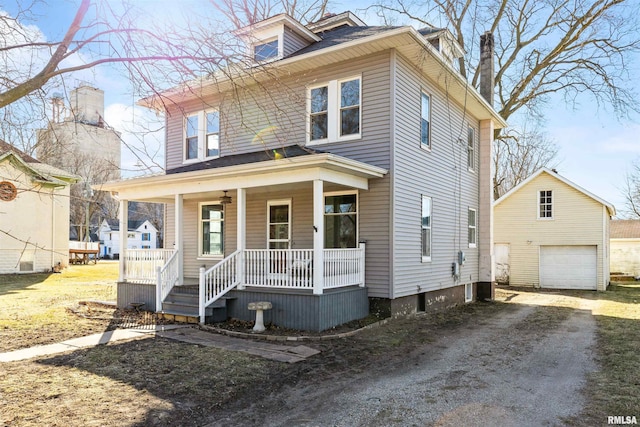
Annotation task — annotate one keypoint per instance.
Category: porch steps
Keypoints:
(181, 305)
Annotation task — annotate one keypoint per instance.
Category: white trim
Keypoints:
(429, 97)
(473, 149)
(430, 228)
(279, 202)
(357, 212)
(610, 207)
(475, 227)
(468, 292)
(545, 218)
(325, 166)
(334, 124)
(201, 134)
(200, 255)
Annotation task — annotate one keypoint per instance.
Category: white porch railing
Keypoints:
(219, 279)
(141, 265)
(279, 268)
(343, 267)
(167, 277)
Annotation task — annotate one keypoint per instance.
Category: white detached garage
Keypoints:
(553, 234)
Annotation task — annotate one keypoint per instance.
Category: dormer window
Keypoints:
(265, 51)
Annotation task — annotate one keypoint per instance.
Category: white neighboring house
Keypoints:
(625, 246)
(140, 235)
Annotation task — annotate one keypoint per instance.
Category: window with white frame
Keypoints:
(265, 50)
(473, 233)
(471, 161)
(340, 220)
(468, 292)
(545, 204)
(334, 110)
(146, 236)
(202, 135)
(425, 121)
(211, 229)
(426, 228)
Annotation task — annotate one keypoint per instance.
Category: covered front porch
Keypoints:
(284, 230)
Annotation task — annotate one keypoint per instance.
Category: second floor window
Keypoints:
(335, 110)
(202, 135)
(146, 236)
(425, 119)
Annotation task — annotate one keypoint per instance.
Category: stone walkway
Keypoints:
(183, 333)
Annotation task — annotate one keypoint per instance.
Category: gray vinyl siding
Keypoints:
(441, 174)
(292, 42)
(270, 116)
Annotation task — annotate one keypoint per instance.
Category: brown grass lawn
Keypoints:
(162, 382)
(35, 308)
(615, 388)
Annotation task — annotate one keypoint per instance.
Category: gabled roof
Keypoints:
(331, 20)
(274, 21)
(5, 147)
(337, 45)
(610, 207)
(132, 225)
(624, 229)
(40, 172)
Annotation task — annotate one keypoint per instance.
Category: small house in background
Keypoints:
(625, 247)
(34, 213)
(551, 233)
(140, 235)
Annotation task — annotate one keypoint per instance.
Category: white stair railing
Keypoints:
(218, 280)
(166, 278)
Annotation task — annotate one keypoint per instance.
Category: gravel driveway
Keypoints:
(523, 366)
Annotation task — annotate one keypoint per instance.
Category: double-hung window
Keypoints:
(146, 236)
(426, 228)
(472, 221)
(211, 229)
(334, 110)
(425, 121)
(213, 134)
(545, 204)
(202, 135)
(471, 161)
(191, 137)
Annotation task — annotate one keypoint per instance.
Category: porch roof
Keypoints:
(251, 170)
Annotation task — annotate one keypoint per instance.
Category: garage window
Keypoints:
(545, 204)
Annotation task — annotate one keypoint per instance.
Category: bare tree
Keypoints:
(543, 47)
(519, 154)
(631, 191)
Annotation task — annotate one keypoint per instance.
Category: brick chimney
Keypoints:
(487, 71)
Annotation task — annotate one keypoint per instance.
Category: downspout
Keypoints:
(53, 228)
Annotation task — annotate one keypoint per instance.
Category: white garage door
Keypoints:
(568, 267)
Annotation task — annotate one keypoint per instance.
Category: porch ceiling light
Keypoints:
(225, 200)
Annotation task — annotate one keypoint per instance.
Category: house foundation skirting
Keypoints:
(136, 293)
(425, 301)
(302, 311)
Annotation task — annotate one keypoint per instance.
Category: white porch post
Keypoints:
(178, 229)
(318, 236)
(124, 221)
(241, 232)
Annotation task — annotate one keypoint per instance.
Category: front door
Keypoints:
(279, 235)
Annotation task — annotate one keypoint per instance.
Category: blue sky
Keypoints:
(595, 148)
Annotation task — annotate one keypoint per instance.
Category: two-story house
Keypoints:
(140, 235)
(341, 166)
